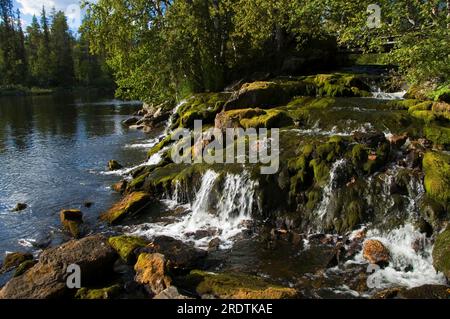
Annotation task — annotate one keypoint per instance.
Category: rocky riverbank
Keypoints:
(358, 208)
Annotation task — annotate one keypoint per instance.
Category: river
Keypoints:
(53, 150)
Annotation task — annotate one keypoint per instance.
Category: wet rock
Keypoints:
(372, 140)
(178, 253)
(151, 271)
(72, 219)
(126, 246)
(441, 253)
(398, 141)
(170, 293)
(131, 204)
(88, 204)
(23, 267)
(13, 260)
(47, 279)
(104, 293)
(424, 227)
(114, 165)
(390, 293)
(120, 186)
(236, 286)
(375, 252)
(19, 207)
(425, 292)
(130, 121)
(214, 244)
(203, 233)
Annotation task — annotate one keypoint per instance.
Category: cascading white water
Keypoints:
(408, 267)
(172, 116)
(327, 191)
(378, 94)
(221, 214)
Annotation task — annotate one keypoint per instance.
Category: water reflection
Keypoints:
(52, 149)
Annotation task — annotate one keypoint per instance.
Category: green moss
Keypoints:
(427, 116)
(441, 94)
(104, 293)
(137, 182)
(237, 286)
(321, 171)
(126, 245)
(402, 104)
(155, 149)
(441, 252)
(314, 196)
(437, 176)
(424, 106)
(23, 267)
(131, 204)
(439, 135)
(359, 154)
(352, 217)
(270, 119)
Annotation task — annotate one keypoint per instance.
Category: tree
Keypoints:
(61, 51)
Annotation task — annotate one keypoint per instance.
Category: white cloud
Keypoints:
(35, 6)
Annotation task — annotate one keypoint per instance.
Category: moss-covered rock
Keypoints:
(131, 204)
(253, 118)
(23, 267)
(152, 272)
(13, 260)
(441, 252)
(103, 293)
(437, 176)
(72, 220)
(237, 286)
(126, 246)
(439, 135)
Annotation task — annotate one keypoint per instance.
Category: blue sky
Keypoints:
(30, 7)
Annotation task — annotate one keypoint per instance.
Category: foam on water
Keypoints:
(388, 96)
(222, 214)
(408, 267)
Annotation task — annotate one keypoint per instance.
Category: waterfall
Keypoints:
(172, 117)
(329, 188)
(219, 210)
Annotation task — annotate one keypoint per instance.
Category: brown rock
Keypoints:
(13, 260)
(151, 271)
(119, 186)
(71, 219)
(114, 165)
(47, 279)
(375, 252)
(398, 140)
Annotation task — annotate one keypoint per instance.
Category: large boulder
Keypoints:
(152, 272)
(236, 286)
(178, 254)
(72, 220)
(375, 252)
(441, 252)
(47, 279)
(131, 204)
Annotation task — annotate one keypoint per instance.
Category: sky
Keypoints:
(70, 7)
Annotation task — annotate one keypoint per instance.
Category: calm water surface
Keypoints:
(53, 151)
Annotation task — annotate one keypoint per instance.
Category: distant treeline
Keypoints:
(47, 54)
